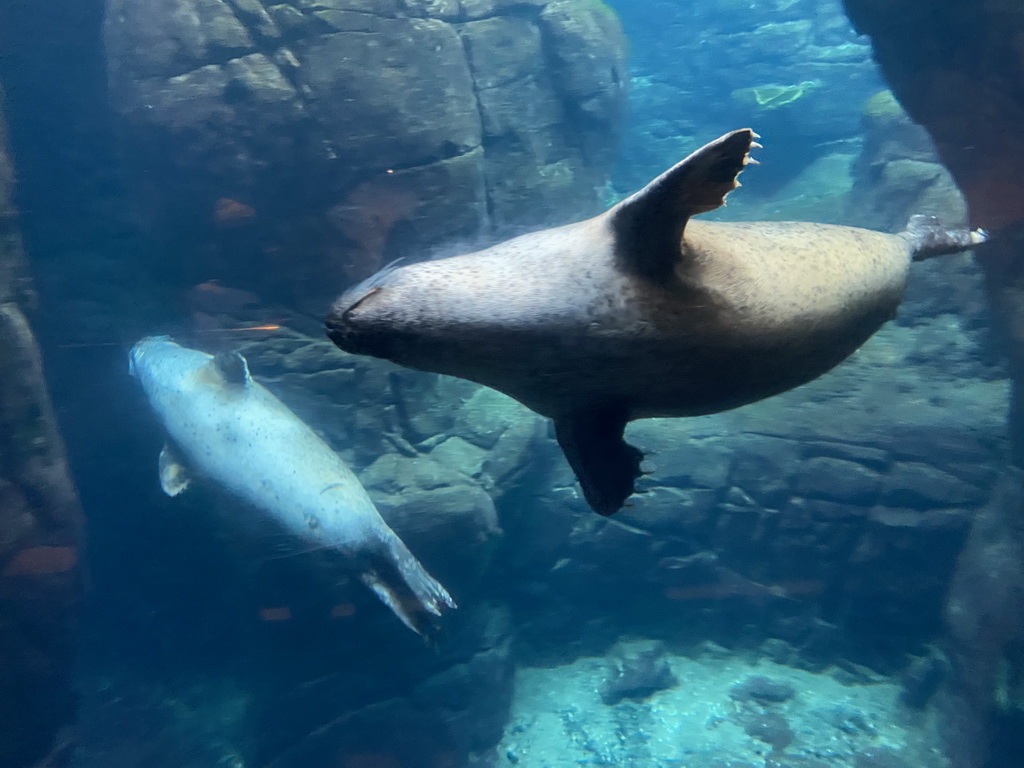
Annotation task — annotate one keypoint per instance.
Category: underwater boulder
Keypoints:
(356, 132)
(636, 673)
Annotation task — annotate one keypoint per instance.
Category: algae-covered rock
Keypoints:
(175, 36)
(839, 480)
(898, 172)
(411, 110)
(461, 455)
(443, 521)
(883, 107)
(530, 165)
(764, 690)
(774, 96)
(393, 473)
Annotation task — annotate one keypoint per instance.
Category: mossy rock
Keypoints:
(773, 95)
(602, 7)
(883, 106)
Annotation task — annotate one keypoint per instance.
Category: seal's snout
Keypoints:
(338, 323)
(350, 319)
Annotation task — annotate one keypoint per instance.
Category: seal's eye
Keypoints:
(355, 304)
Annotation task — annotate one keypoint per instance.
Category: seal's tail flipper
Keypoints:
(404, 586)
(929, 238)
(605, 464)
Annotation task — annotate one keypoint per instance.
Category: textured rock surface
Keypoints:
(898, 170)
(560, 720)
(945, 93)
(292, 148)
(984, 619)
(14, 283)
(39, 529)
(450, 707)
(958, 75)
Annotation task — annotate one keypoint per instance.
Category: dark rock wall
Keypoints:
(959, 77)
(293, 148)
(40, 527)
(956, 68)
(983, 613)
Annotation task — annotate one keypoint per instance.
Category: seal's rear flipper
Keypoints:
(404, 586)
(604, 463)
(929, 238)
(648, 226)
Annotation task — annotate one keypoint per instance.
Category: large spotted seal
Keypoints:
(643, 312)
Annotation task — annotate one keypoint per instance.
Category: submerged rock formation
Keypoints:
(291, 148)
(957, 69)
(898, 171)
(791, 69)
(40, 523)
(958, 75)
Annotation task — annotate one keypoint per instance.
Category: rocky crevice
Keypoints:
(40, 528)
(957, 70)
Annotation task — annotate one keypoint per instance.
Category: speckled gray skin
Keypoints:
(627, 316)
(225, 427)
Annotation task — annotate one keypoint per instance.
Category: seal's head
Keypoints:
(152, 357)
(360, 321)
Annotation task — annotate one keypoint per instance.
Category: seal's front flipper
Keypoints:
(648, 226)
(929, 238)
(604, 463)
(173, 476)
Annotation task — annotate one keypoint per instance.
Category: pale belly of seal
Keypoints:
(643, 312)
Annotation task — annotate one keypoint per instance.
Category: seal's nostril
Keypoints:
(332, 326)
(336, 315)
(338, 325)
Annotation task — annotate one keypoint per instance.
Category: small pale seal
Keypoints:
(224, 426)
(641, 312)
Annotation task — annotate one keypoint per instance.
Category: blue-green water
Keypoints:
(789, 587)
